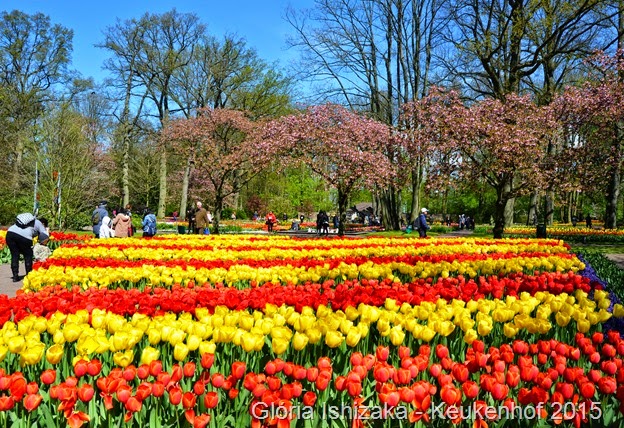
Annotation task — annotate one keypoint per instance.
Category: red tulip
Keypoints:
(94, 367)
(32, 401)
(312, 374)
(450, 395)
(188, 400)
(460, 373)
(587, 390)
(270, 368)
(211, 399)
(155, 368)
(382, 353)
(407, 394)
(218, 380)
(356, 359)
(607, 385)
(6, 403)
(404, 352)
(199, 387)
(143, 371)
(470, 389)
(232, 393)
(189, 369)
(129, 373)
(322, 381)
(512, 379)
(309, 399)
(238, 369)
(133, 405)
(48, 376)
(85, 392)
(299, 372)
(499, 391)
(207, 360)
(175, 395)
(435, 370)
(442, 351)
(381, 374)
(391, 399)
(158, 389)
(32, 388)
(124, 392)
(80, 368)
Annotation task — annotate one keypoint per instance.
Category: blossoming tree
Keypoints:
(226, 152)
(342, 147)
(501, 142)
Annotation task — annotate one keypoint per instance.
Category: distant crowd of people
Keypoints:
(120, 224)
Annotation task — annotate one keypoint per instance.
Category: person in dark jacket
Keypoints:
(422, 223)
(19, 239)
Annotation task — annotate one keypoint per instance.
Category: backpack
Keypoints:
(95, 218)
(416, 224)
(150, 224)
(25, 220)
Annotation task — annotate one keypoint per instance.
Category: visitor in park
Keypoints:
(209, 215)
(98, 215)
(336, 221)
(588, 221)
(301, 217)
(149, 224)
(319, 222)
(201, 219)
(190, 216)
(422, 223)
(122, 224)
(270, 221)
(448, 220)
(233, 216)
(574, 221)
(324, 223)
(19, 239)
(106, 228)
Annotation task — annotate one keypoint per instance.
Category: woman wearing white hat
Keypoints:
(422, 223)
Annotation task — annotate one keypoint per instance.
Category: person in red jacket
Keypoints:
(270, 221)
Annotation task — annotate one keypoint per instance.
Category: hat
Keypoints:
(103, 202)
(424, 210)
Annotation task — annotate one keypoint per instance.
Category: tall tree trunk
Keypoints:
(185, 185)
(532, 208)
(499, 210)
(162, 191)
(216, 218)
(343, 200)
(416, 187)
(125, 168)
(509, 212)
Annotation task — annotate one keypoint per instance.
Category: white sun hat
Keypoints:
(424, 210)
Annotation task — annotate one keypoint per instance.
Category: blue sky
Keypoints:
(259, 22)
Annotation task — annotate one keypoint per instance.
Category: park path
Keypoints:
(7, 286)
(457, 234)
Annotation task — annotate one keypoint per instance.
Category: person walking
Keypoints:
(270, 221)
(149, 224)
(98, 215)
(122, 224)
(19, 239)
(201, 219)
(422, 223)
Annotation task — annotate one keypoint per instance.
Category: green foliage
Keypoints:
(606, 270)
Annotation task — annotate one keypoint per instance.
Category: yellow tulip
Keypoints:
(618, 311)
(583, 325)
(562, 319)
(427, 334)
(180, 351)
(3, 352)
(299, 341)
(510, 330)
(207, 347)
(470, 336)
(123, 359)
(149, 354)
(55, 353)
(353, 337)
(16, 344)
(279, 345)
(397, 335)
(71, 332)
(484, 328)
(334, 339)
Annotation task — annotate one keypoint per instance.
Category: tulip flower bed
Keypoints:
(272, 331)
(570, 234)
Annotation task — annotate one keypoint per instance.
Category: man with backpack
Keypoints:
(420, 223)
(149, 224)
(97, 217)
